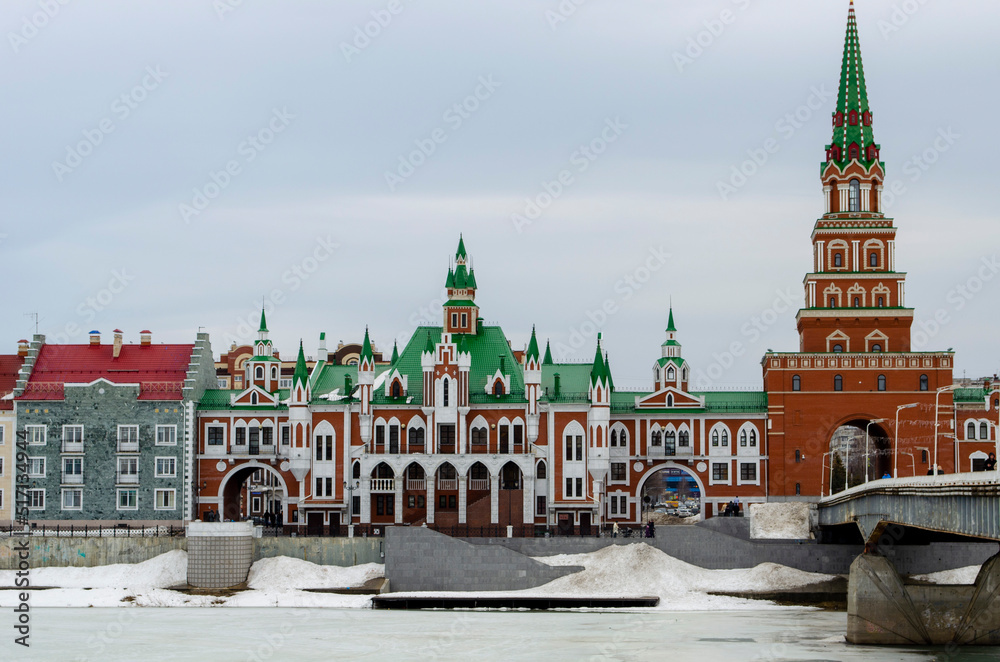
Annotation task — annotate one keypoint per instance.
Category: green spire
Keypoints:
(301, 372)
(450, 280)
(532, 348)
(670, 324)
(460, 253)
(471, 283)
(852, 103)
(395, 352)
(366, 350)
(599, 372)
(263, 322)
(430, 344)
(607, 366)
(548, 354)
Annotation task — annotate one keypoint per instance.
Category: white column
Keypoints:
(892, 255)
(866, 197)
(528, 483)
(827, 192)
(494, 499)
(366, 499)
(820, 256)
(461, 433)
(430, 480)
(857, 256)
(398, 485)
(463, 499)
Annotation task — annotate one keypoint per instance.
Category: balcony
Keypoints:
(128, 446)
(447, 484)
(72, 446)
(127, 479)
(479, 484)
(72, 478)
(382, 485)
(416, 484)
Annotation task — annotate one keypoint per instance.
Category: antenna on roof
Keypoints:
(35, 316)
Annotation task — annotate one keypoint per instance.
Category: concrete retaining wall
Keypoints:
(323, 551)
(86, 552)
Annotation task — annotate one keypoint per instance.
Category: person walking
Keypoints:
(614, 530)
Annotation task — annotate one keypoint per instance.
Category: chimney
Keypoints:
(145, 338)
(95, 338)
(118, 344)
(324, 355)
(22, 347)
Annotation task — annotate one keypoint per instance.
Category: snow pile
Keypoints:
(780, 521)
(163, 571)
(960, 576)
(284, 573)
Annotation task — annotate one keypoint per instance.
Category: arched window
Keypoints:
(833, 302)
(416, 436)
(274, 372)
(356, 471)
(873, 260)
(670, 400)
(837, 349)
(753, 438)
(924, 383)
(258, 372)
(984, 431)
(715, 437)
(670, 437)
(670, 374)
(743, 438)
(838, 383)
(614, 438)
(796, 383)
(498, 387)
(857, 302)
(881, 302)
(838, 259)
(798, 456)
(684, 439)
(397, 389)
(253, 398)
(444, 388)
(657, 369)
(657, 438)
(881, 382)
(854, 199)
(853, 151)
(798, 489)
(540, 472)
(971, 432)
(725, 437)
(479, 436)
(876, 348)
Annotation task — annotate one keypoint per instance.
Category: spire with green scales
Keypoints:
(301, 374)
(548, 354)
(460, 311)
(367, 361)
(395, 352)
(532, 353)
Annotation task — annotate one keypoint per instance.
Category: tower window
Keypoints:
(454, 320)
(670, 374)
(873, 260)
(498, 387)
(796, 383)
(855, 189)
(397, 389)
(444, 389)
(857, 302)
(853, 151)
(465, 320)
(881, 382)
(838, 383)
(838, 260)
(881, 302)
(837, 349)
(259, 372)
(833, 302)
(853, 118)
(876, 348)
(924, 383)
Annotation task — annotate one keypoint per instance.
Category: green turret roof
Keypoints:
(366, 350)
(532, 348)
(460, 253)
(599, 372)
(263, 322)
(548, 354)
(471, 284)
(670, 324)
(853, 97)
(607, 366)
(301, 372)
(429, 347)
(449, 282)
(395, 352)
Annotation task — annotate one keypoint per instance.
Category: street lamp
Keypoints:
(895, 445)
(349, 488)
(943, 389)
(867, 429)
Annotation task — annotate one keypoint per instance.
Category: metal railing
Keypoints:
(92, 531)
(72, 446)
(128, 446)
(72, 478)
(127, 479)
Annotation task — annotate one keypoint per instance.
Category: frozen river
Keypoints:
(224, 635)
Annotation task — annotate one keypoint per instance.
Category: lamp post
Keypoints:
(943, 389)
(895, 445)
(349, 488)
(867, 430)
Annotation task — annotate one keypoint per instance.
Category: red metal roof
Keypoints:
(160, 370)
(9, 367)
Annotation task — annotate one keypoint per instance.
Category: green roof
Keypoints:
(548, 354)
(301, 372)
(366, 350)
(395, 352)
(460, 304)
(977, 395)
(328, 377)
(263, 359)
(460, 253)
(670, 325)
(532, 352)
(215, 399)
(263, 322)
(599, 372)
(742, 402)
(676, 360)
(574, 382)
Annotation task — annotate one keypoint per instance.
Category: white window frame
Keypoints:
(3, 437)
(739, 468)
(32, 493)
(35, 474)
(173, 499)
(729, 471)
(1, 470)
(1, 499)
(172, 460)
(128, 460)
(284, 382)
(119, 441)
(29, 431)
(166, 428)
(67, 491)
(65, 429)
(118, 498)
(72, 459)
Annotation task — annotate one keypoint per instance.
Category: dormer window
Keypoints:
(397, 389)
(867, 118)
(498, 387)
(853, 151)
(853, 118)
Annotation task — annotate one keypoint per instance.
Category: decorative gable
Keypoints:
(255, 397)
(669, 398)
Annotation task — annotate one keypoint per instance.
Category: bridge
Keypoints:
(884, 609)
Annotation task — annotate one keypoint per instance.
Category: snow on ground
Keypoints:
(162, 571)
(283, 573)
(779, 521)
(959, 576)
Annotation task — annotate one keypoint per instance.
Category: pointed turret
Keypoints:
(301, 374)
(460, 311)
(263, 322)
(460, 254)
(367, 361)
(670, 324)
(599, 373)
(548, 354)
(395, 353)
(532, 353)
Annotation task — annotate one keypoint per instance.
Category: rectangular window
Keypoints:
(329, 487)
(128, 438)
(446, 435)
(579, 448)
(569, 447)
(319, 447)
(286, 435)
(72, 439)
(36, 499)
(166, 435)
(36, 434)
(355, 505)
(319, 486)
(614, 505)
(465, 320)
(540, 505)
(284, 383)
(166, 499)
(72, 470)
(222, 383)
(393, 438)
(503, 435)
(128, 500)
(1, 465)
(454, 319)
(72, 499)
(518, 435)
(215, 436)
(36, 467)
(748, 471)
(166, 467)
(579, 487)
(720, 471)
(241, 436)
(618, 471)
(254, 438)
(267, 436)
(128, 470)
(2, 431)
(1, 499)
(380, 435)
(623, 509)
(569, 487)
(255, 504)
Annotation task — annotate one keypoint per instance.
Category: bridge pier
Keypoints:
(882, 610)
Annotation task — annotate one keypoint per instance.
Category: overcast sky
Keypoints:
(121, 118)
